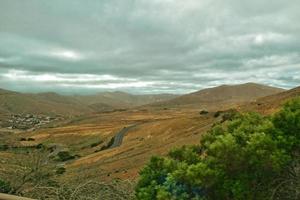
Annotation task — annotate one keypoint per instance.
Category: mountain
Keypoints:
(121, 99)
(44, 103)
(55, 104)
(220, 97)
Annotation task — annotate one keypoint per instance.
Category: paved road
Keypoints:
(118, 139)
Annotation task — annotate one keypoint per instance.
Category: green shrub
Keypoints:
(40, 146)
(3, 147)
(217, 114)
(96, 144)
(60, 170)
(203, 112)
(65, 156)
(4, 186)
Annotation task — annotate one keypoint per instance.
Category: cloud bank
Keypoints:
(142, 46)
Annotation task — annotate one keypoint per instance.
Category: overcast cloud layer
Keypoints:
(147, 46)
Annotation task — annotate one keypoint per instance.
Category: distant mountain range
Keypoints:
(53, 103)
(220, 97)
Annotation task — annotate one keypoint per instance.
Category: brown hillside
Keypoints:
(221, 97)
(272, 103)
(55, 104)
(13, 102)
(119, 100)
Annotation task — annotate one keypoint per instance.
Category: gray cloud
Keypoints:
(147, 46)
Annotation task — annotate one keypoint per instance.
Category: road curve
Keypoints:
(118, 139)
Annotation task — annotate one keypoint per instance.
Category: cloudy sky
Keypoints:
(147, 46)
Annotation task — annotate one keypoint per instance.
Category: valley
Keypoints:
(108, 146)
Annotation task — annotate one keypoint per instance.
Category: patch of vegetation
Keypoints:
(4, 186)
(4, 147)
(245, 158)
(229, 115)
(64, 156)
(40, 146)
(27, 171)
(217, 114)
(116, 190)
(30, 139)
(96, 143)
(107, 146)
(60, 170)
(203, 112)
(27, 139)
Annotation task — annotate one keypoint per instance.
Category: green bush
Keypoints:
(4, 147)
(237, 160)
(60, 170)
(203, 112)
(96, 144)
(64, 156)
(217, 114)
(4, 186)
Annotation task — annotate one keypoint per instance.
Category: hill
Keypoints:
(272, 103)
(55, 104)
(45, 103)
(220, 97)
(119, 100)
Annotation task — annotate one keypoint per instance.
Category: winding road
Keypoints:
(118, 138)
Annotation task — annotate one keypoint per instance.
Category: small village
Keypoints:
(28, 121)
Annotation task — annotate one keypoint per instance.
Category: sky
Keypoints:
(147, 46)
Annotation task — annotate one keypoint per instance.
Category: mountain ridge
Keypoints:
(224, 94)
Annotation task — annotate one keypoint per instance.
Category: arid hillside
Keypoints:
(120, 100)
(55, 104)
(44, 103)
(221, 97)
(272, 103)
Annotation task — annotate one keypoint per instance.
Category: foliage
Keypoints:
(203, 112)
(96, 143)
(64, 156)
(28, 171)
(3, 147)
(4, 186)
(107, 146)
(60, 170)
(117, 190)
(245, 158)
(36, 176)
